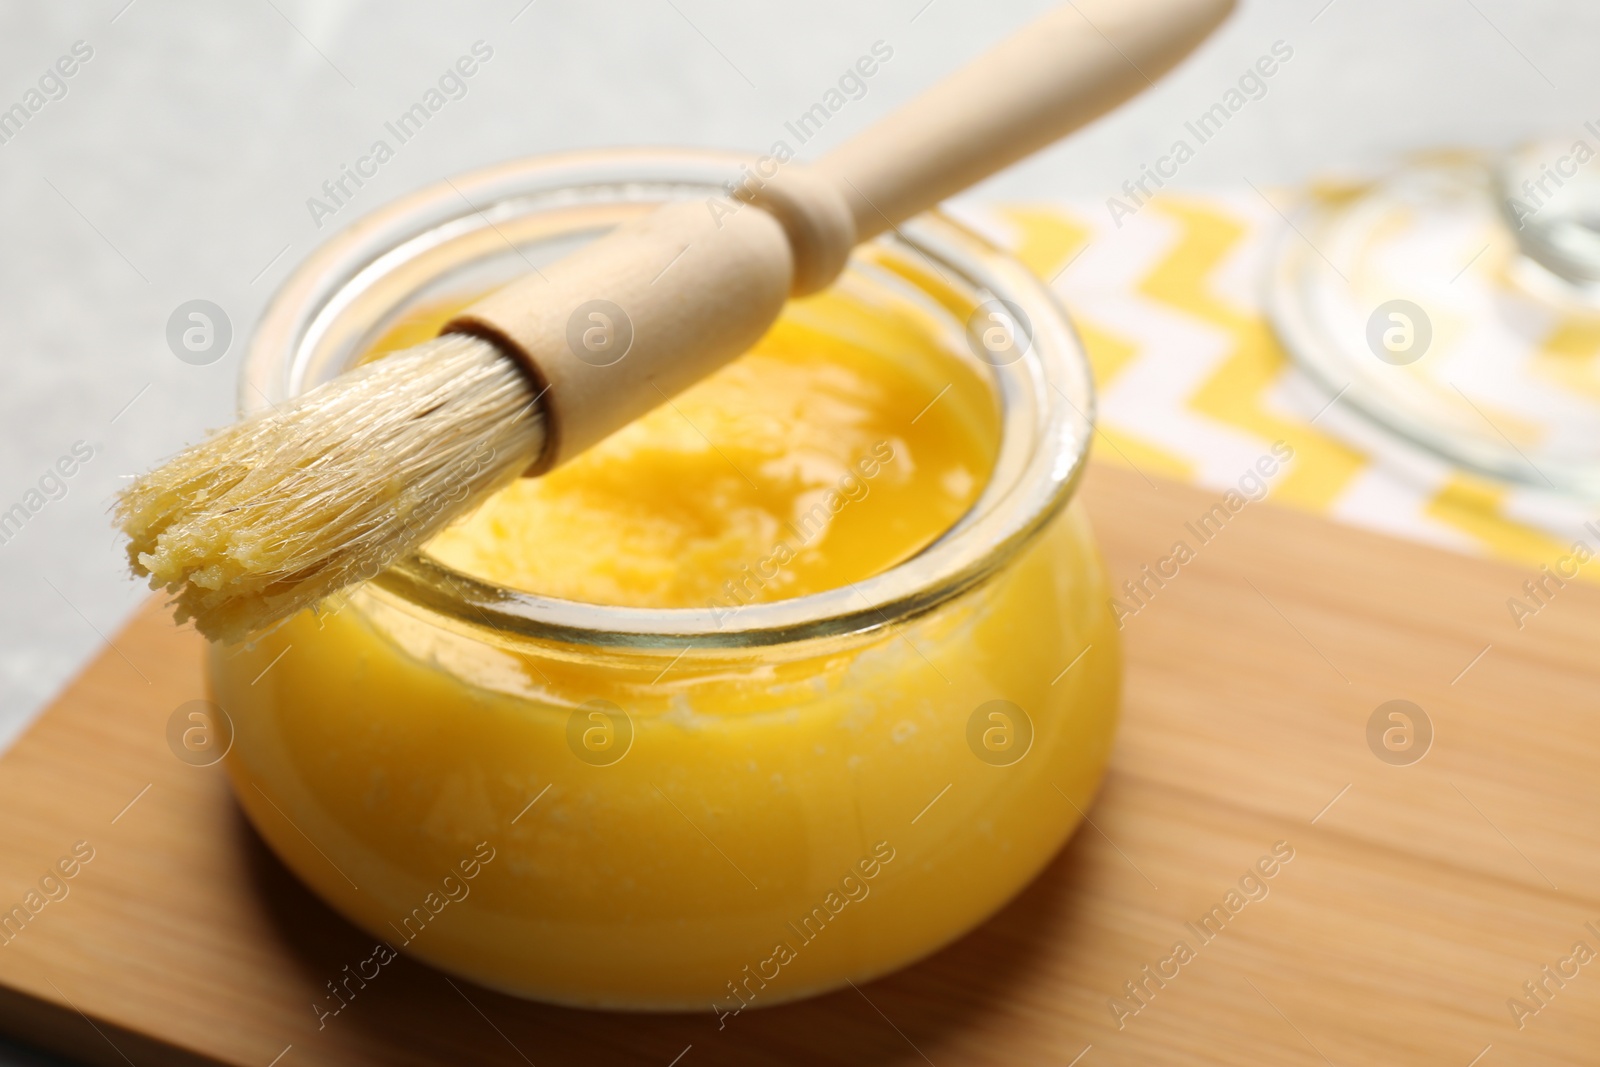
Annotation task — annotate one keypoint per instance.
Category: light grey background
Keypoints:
(179, 163)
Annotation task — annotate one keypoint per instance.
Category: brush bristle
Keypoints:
(275, 513)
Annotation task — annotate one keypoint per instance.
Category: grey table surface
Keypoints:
(176, 161)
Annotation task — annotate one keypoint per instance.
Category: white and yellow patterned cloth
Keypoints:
(1194, 385)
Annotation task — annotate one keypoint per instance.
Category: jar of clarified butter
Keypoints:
(790, 683)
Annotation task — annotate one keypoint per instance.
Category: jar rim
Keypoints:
(1046, 397)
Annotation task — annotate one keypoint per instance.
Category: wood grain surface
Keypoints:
(1418, 901)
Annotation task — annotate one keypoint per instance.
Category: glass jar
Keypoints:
(680, 809)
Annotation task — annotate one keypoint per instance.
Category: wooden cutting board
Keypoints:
(1419, 899)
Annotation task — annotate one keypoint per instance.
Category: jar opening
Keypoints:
(485, 227)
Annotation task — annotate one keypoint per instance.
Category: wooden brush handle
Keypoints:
(622, 325)
(1058, 73)
(618, 328)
